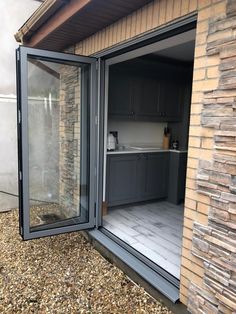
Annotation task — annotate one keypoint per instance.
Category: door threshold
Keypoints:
(155, 284)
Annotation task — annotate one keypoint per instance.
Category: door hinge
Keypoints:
(20, 175)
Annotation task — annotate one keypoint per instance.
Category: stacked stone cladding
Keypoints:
(215, 243)
(70, 140)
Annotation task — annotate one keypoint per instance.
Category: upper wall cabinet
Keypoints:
(145, 93)
(120, 104)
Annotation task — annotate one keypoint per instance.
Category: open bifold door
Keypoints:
(56, 95)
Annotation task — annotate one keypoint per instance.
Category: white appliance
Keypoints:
(111, 142)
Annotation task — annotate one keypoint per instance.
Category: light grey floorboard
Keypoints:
(154, 229)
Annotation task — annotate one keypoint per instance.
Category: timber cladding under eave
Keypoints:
(207, 284)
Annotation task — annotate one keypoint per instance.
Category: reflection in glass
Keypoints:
(58, 143)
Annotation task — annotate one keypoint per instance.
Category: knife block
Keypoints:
(166, 141)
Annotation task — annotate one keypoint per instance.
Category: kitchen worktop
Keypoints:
(138, 151)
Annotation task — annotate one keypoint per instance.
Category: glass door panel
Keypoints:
(56, 94)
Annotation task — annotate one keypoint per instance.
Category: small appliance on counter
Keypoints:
(112, 140)
(166, 138)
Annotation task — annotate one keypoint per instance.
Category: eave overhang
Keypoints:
(57, 24)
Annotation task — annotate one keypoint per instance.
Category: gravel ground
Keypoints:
(63, 274)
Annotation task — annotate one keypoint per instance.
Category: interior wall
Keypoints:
(137, 132)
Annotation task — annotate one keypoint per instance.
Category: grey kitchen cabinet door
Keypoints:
(155, 177)
(145, 98)
(171, 100)
(119, 96)
(121, 179)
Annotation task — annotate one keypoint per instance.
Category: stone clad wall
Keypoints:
(69, 130)
(215, 243)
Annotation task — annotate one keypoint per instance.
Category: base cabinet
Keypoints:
(121, 179)
(136, 177)
(155, 176)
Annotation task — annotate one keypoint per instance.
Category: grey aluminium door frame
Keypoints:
(22, 54)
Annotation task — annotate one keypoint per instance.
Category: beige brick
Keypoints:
(202, 208)
(207, 132)
(196, 108)
(191, 173)
(188, 233)
(212, 60)
(214, 10)
(186, 262)
(207, 143)
(183, 299)
(192, 277)
(193, 152)
(202, 218)
(188, 223)
(190, 193)
(190, 214)
(213, 72)
(197, 98)
(200, 62)
(204, 13)
(195, 120)
(194, 141)
(206, 154)
(195, 130)
(187, 243)
(190, 204)
(184, 281)
(202, 26)
(199, 74)
(205, 85)
(192, 163)
(191, 184)
(201, 38)
(203, 199)
(200, 51)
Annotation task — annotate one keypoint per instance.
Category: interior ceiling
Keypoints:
(182, 52)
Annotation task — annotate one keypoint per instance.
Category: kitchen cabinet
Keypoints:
(136, 177)
(154, 179)
(171, 100)
(121, 179)
(143, 98)
(120, 102)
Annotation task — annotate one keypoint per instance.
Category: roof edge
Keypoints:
(38, 18)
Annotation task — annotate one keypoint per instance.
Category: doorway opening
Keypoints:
(147, 111)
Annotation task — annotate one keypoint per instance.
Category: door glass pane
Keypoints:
(58, 120)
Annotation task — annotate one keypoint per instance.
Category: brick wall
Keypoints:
(211, 157)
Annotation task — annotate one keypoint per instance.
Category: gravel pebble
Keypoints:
(63, 274)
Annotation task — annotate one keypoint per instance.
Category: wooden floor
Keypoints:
(153, 229)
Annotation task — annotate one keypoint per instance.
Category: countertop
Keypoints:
(139, 151)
